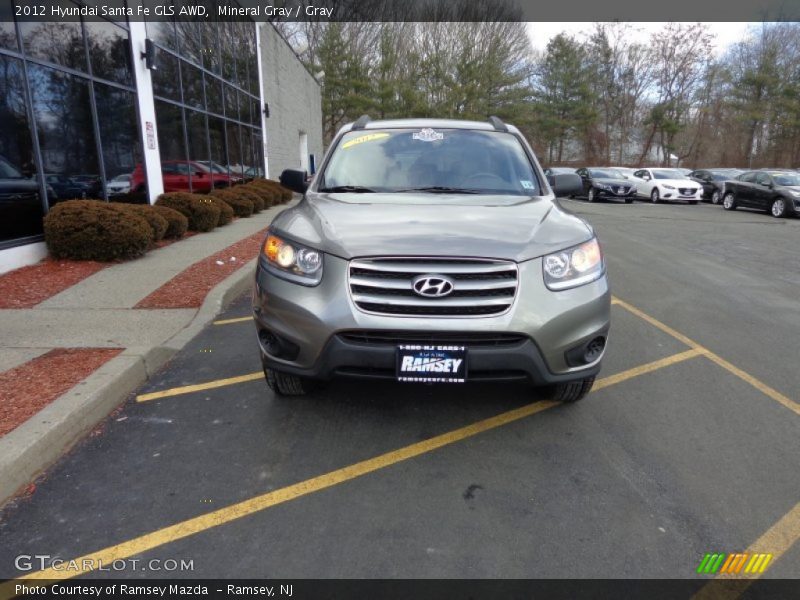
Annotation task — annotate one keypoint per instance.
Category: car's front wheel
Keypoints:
(655, 196)
(629, 200)
(716, 197)
(591, 196)
(778, 208)
(729, 201)
(286, 384)
(572, 391)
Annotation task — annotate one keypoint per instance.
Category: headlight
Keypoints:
(574, 266)
(667, 187)
(292, 261)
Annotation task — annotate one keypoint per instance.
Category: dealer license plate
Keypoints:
(431, 364)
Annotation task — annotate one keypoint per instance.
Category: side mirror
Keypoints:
(295, 180)
(566, 184)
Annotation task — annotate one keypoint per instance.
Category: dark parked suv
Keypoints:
(431, 251)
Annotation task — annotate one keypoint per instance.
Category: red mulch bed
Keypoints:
(28, 286)
(28, 388)
(189, 288)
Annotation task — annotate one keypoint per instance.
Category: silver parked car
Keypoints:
(431, 251)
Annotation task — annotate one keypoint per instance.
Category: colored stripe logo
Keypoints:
(738, 562)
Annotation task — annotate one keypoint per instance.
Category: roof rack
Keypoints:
(361, 123)
(498, 124)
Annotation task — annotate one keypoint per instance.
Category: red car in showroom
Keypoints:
(184, 176)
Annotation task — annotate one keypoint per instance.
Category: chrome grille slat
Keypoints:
(481, 287)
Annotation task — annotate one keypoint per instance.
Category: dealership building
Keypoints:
(122, 110)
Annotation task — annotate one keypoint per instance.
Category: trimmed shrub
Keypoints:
(225, 211)
(255, 198)
(158, 224)
(92, 230)
(241, 207)
(268, 196)
(202, 212)
(177, 223)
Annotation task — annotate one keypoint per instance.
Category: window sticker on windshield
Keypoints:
(370, 137)
(427, 135)
(528, 185)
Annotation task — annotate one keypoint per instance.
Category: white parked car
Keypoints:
(121, 184)
(666, 184)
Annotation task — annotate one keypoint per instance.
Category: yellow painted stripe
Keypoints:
(753, 561)
(646, 368)
(245, 508)
(775, 542)
(209, 385)
(229, 321)
(731, 368)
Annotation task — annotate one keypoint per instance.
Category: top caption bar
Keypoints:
(401, 10)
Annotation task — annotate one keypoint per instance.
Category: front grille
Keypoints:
(687, 191)
(620, 189)
(380, 337)
(481, 287)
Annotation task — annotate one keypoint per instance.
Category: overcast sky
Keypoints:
(541, 33)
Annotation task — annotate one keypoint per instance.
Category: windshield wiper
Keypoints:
(356, 189)
(441, 189)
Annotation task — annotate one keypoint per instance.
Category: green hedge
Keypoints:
(92, 230)
(201, 211)
(243, 192)
(241, 206)
(177, 223)
(158, 224)
(225, 211)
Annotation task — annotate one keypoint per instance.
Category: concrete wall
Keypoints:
(295, 105)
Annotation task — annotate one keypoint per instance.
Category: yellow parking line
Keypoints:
(647, 368)
(236, 320)
(775, 541)
(187, 389)
(245, 508)
(731, 368)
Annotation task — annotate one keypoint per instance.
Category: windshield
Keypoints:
(121, 178)
(606, 174)
(668, 174)
(434, 160)
(786, 179)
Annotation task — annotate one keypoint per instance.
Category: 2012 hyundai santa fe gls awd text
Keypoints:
(431, 251)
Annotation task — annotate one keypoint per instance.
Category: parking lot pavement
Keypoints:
(688, 445)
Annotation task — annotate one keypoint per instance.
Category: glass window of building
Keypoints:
(192, 79)
(214, 101)
(109, 51)
(166, 78)
(65, 129)
(162, 32)
(231, 106)
(119, 137)
(21, 207)
(216, 131)
(56, 42)
(8, 35)
(169, 121)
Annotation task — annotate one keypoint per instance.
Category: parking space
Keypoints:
(688, 445)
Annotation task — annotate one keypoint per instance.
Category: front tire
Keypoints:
(286, 384)
(729, 201)
(628, 200)
(778, 208)
(572, 391)
(590, 195)
(655, 196)
(716, 197)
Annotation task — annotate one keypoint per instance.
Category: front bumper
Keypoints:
(316, 323)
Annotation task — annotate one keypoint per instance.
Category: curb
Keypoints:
(40, 441)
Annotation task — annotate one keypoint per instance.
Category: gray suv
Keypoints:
(431, 251)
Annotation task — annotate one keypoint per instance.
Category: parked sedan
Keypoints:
(558, 171)
(121, 184)
(606, 183)
(666, 184)
(65, 187)
(713, 182)
(777, 192)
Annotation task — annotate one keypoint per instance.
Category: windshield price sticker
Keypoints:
(427, 135)
(528, 185)
(370, 137)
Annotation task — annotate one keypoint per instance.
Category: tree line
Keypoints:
(603, 98)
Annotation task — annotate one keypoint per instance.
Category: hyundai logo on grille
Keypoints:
(432, 286)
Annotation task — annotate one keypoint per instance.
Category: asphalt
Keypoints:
(639, 480)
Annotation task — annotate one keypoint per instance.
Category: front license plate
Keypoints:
(432, 364)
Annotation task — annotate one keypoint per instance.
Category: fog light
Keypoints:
(594, 349)
(586, 353)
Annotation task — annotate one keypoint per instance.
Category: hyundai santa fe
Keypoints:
(431, 251)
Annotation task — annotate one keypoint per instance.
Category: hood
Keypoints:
(683, 183)
(505, 227)
(622, 182)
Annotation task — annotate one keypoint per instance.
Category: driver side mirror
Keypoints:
(295, 180)
(565, 184)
